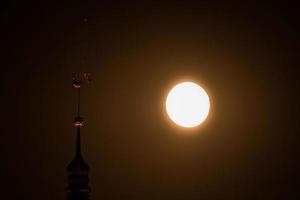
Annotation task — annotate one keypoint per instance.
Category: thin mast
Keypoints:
(78, 121)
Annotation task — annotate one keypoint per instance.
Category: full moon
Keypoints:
(187, 104)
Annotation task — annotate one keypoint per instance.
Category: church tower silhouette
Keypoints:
(78, 187)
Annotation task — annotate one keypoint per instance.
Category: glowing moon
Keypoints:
(187, 104)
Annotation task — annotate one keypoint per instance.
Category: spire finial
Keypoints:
(78, 80)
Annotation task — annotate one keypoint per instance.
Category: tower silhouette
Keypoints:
(78, 169)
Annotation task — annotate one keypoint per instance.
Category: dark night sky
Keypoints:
(245, 55)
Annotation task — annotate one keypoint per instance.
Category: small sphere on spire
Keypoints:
(78, 122)
(79, 79)
(77, 83)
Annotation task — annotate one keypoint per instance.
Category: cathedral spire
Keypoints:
(78, 188)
